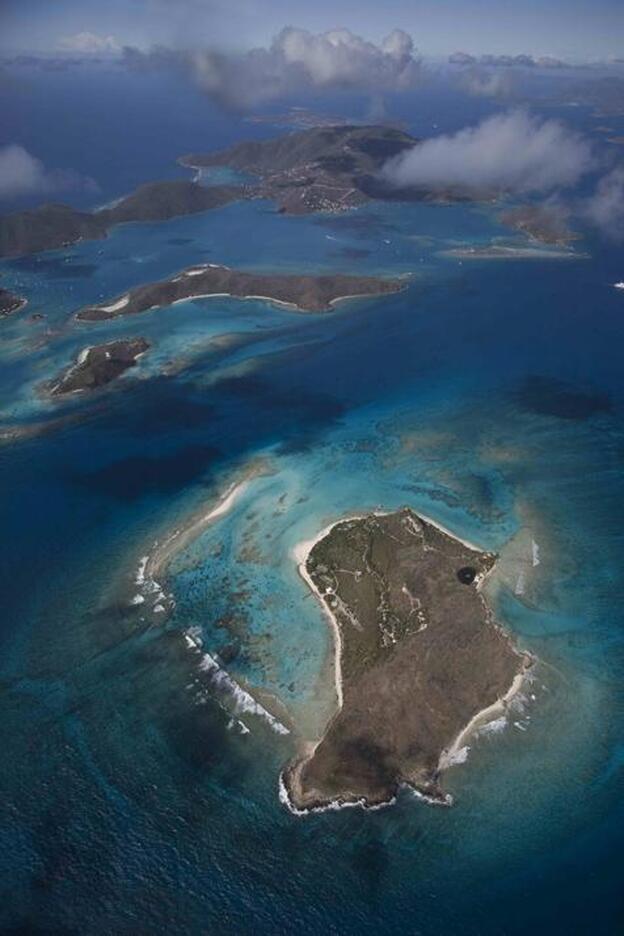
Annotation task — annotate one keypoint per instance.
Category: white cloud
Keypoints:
(513, 152)
(339, 58)
(605, 208)
(483, 83)
(88, 43)
(296, 60)
(23, 174)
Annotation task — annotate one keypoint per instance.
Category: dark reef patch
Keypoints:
(548, 396)
(353, 253)
(53, 267)
(169, 411)
(140, 475)
(361, 225)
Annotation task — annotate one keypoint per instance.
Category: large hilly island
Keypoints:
(305, 293)
(418, 656)
(54, 225)
(321, 169)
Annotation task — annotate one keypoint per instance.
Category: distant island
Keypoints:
(419, 659)
(514, 252)
(53, 226)
(99, 365)
(304, 293)
(541, 223)
(604, 95)
(10, 303)
(318, 169)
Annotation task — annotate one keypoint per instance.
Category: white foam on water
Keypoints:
(518, 703)
(452, 759)
(151, 588)
(493, 727)
(446, 800)
(244, 702)
(193, 637)
(238, 725)
(332, 806)
(140, 576)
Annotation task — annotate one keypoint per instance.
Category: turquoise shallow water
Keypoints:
(487, 396)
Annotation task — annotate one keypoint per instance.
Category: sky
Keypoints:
(576, 30)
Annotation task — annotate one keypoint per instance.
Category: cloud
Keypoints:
(510, 152)
(23, 174)
(483, 83)
(462, 58)
(605, 208)
(507, 61)
(296, 60)
(88, 43)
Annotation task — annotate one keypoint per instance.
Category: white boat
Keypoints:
(619, 285)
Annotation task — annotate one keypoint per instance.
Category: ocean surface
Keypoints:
(139, 775)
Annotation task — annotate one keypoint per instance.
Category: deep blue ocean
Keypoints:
(138, 794)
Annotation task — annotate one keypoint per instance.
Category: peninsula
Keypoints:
(10, 303)
(99, 365)
(304, 293)
(418, 657)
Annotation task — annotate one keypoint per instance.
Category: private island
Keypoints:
(419, 659)
(10, 303)
(302, 293)
(97, 366)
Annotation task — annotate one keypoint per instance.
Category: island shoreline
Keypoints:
(289, 776)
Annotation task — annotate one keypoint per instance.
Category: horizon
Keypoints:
(578, 31)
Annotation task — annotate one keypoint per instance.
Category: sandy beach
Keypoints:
(301, 552)
(453, 754)
(162, 554)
